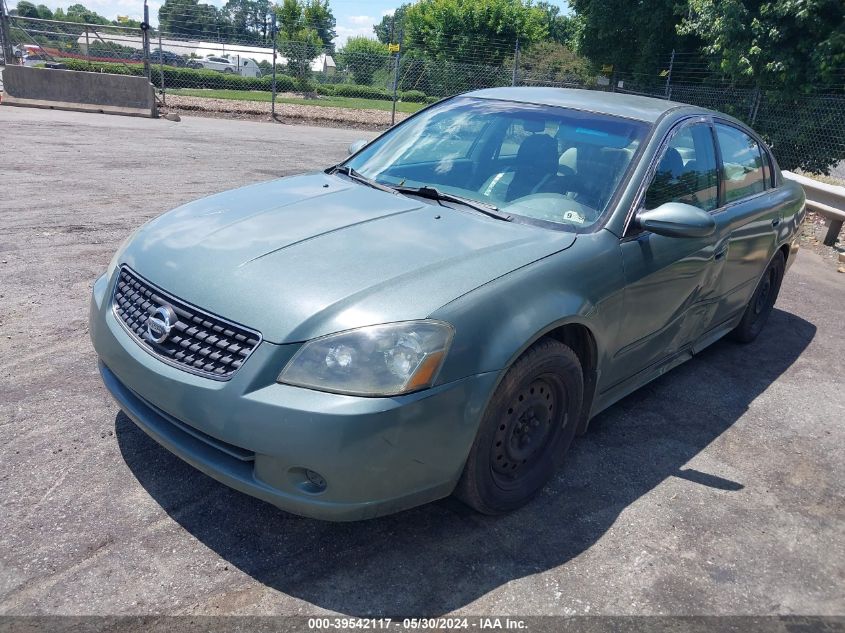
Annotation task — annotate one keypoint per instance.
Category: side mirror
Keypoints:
(676, 219)
(355, 147)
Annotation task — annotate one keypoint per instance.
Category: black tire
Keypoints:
(526, 429)
(761, 303)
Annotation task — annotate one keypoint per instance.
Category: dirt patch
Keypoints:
(285, 112)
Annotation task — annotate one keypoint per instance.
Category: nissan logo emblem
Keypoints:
(159, 324)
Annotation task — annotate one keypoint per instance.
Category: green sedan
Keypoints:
(444, 312)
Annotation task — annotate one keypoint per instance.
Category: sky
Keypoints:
(354, 17)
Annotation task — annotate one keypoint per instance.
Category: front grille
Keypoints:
(198, 342)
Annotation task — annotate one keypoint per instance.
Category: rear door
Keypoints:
(750, 208)
(672, 283)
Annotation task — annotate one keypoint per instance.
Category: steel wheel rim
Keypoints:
(526, 429)
(762, 301)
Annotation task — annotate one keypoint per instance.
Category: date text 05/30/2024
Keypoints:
(479, 623)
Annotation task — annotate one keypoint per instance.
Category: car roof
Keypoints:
(647, 109)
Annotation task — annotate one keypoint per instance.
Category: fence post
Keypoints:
(669, 76)
(145, 34)
(5, 38)
(755, 105)
(515, 76)
(395, 87)
(273, 97)
(87, 46)
(160, 66)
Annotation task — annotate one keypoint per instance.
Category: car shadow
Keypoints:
(442, 556)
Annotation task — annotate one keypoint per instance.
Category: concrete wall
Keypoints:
(74, 90)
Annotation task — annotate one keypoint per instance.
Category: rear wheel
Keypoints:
(526, 429)
(762, 301)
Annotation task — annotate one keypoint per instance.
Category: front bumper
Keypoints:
(376, 455)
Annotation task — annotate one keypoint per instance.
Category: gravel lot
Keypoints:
(718, 489)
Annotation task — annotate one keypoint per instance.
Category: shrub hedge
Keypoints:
(210, 79)
(187, 77)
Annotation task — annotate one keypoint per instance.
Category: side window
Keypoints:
(742, 163)
(687, 171)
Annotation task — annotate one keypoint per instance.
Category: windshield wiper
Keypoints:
(432, 193)
(346, 170)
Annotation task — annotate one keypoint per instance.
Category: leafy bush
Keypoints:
(363, 92)
(210, 79)
(412, 96)
(187, 77)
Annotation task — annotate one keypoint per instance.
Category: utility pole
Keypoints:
(5, 38)
(515, 76)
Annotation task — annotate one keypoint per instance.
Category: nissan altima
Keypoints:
(444, 311)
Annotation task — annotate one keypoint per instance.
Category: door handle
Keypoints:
(776, 221)
(721, 253)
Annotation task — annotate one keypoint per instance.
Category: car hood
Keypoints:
(309, 255)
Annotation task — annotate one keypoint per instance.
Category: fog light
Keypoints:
(308, 481)
(316, 479)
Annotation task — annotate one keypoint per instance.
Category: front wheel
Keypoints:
(526, 429)
(761, 303)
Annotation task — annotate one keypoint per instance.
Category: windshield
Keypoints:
(531, 161)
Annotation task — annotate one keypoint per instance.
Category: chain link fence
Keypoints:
(806, 131)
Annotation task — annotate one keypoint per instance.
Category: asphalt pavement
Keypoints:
(717, 489)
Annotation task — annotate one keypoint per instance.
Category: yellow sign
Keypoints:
(393, 48)
(607, 68)
(123, 18)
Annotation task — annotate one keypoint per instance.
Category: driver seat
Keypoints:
(536, 165)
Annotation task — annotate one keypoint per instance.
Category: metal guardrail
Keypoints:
(828, 200)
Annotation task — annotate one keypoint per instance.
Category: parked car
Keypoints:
(220, 64)
(156, 55)
(448, 308)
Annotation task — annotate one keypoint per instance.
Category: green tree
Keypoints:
(552, 62)
(27, 9)
(480, 32)
(317, 15)
(397, 21)
(561, 27)
(791, 51)
(790, 43)
(363, 56)
(247, 20)
(189, 17)
(634, 37)
(81, 13)
(297, 41)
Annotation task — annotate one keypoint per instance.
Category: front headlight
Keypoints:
(379, 360)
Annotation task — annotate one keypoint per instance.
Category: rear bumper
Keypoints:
(376, 455)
